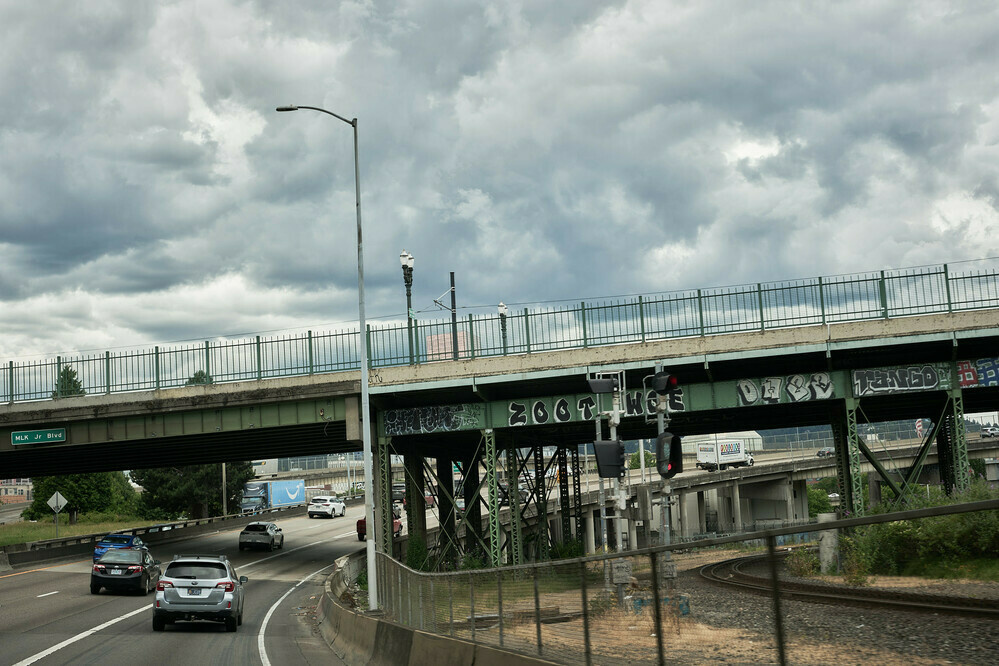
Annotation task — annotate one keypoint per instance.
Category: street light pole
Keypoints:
(406, 259)
(503, 310)
(369, 496)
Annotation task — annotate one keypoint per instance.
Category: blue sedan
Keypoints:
(117, 541)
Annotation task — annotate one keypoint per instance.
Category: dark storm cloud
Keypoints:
(539, 150)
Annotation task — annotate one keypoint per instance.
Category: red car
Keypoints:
(362, 527)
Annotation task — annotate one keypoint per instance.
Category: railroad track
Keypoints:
(731, 573)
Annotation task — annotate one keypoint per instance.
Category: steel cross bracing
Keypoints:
(494, 499)
(513, 487)
(855, 496)
(383, 489)
(563, 495)
(541, 503)
(958, 443)
(577, 496)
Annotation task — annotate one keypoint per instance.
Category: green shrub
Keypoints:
(852, 562)
(802, 562)
(567, 549)
(417, 556)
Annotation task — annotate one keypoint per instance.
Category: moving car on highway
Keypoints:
(826, 451)
(362, 525)
(199, 587)
(261, 535)
(990, 431)
(117, 541)
(129, 569)
(326, 506)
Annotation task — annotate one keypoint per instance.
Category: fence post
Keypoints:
(450, 605)
(433, 605)
(700, 311)
(657, 600)
(641, 317)
(822, 301)
(499, 593)
(58, 390)
(471, 605)
(107, 373)
(950, 306)
(527, 330)
(537, 609)
(471, 336)
(156, 365)
(208, 362)
(778, 620)
(10, 380)
(367, 341)
(759, 297)
(311, 363)
(884, 296)
(586, 613)
(259, 369)
(582, 310)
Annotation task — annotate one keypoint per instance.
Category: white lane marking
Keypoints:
(69, 641)
(47, 594)
(263, 625)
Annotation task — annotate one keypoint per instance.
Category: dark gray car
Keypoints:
(199, 587)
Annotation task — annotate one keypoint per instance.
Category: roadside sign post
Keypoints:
(57, 502)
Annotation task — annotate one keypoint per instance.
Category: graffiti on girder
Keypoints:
(980, 372)
(904, 379)
(788, 389)
(438, 418)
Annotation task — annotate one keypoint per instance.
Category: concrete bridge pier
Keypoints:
(588, 544)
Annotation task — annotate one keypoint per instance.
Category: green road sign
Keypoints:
(38, 436)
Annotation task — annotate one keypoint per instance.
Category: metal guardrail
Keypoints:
(885, 294)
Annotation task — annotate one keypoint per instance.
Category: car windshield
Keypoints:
(255, 528)
(121, 556)
(196, 570)
(117, 539)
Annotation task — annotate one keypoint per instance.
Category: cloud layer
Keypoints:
(540, 150)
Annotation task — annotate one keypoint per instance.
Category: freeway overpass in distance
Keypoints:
(530, 394)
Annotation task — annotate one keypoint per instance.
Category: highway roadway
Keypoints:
(49, 616)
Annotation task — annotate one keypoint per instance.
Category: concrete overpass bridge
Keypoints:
(919, 343)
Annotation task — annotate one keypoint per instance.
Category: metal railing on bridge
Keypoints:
(757, 307)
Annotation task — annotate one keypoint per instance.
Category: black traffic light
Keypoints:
(610, 459)
(669, 455)
(663, 383)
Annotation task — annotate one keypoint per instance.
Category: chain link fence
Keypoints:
(667, 604)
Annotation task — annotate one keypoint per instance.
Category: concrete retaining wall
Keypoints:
(361, 639)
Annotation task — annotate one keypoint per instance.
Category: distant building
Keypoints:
(15, 491)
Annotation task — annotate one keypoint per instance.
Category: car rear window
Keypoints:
(122, 556)
(196, 570)
(320, 500)
(255, 528)
(117, 539)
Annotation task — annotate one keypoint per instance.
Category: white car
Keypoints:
(326, 506)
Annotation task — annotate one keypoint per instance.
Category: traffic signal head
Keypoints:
(663, 382)
(610, 459)
(669, 455)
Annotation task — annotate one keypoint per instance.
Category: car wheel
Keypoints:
(230, 624)
(239, 618)
(270, 546)
(751, 462)
(158, 623)
(95, 589)
(281, 545)
(360, 537)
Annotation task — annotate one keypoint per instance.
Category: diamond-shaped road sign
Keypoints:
(57, 501)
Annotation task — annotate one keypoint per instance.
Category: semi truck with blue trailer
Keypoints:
(260, 495)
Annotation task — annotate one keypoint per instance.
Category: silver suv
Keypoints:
(199, 587)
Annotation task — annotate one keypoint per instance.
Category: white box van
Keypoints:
(722, 454)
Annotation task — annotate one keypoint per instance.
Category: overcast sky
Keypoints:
(149, 192)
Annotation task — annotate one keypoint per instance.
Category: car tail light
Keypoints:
(163, 584)
(135, 567)
(98, 567)
(228, 586)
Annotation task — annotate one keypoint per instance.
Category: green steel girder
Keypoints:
(577, 495)
(541, 502)
(959, 444)
(564, 499)
(513, 486)
(383, 494)
(848, 476)
(492, 483)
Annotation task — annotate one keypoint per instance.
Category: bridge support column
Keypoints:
(684, 526)
(513, 485)
(473, 507)
(589, 544)
(736, 507)
(416, 503)
(844, 429)
(492, 488)
(446, 538)
(702, 514)
(632, 534)
(800, 492)
(382, 487)
(952, 446)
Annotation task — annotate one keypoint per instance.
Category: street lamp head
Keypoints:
(502, 309)
(290, 107)
(406, 259)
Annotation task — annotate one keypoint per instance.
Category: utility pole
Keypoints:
(454, 321)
